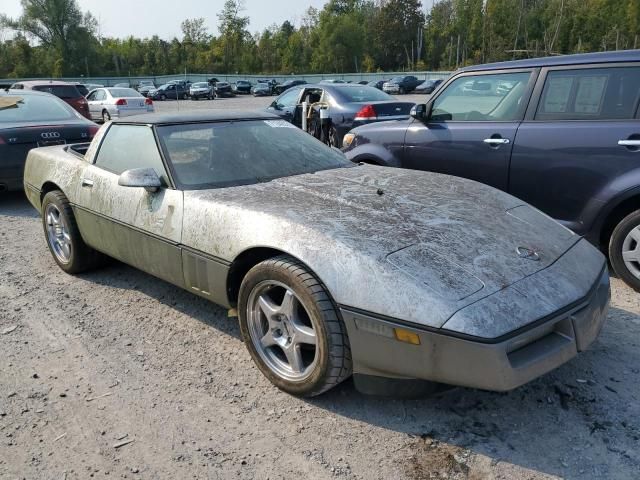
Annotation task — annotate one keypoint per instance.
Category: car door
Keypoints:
(471, 127)
(138, 227)
(95, 100)
(581, 133)
(285, 105)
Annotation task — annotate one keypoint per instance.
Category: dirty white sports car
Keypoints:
(402, 278)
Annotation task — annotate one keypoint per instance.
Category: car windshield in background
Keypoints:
(123, 92)
(34, 108)
(362, 94)
(60, 91)
(243, 152)
(396, 80)
(200, 85)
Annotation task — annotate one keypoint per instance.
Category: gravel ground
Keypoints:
(115, 374)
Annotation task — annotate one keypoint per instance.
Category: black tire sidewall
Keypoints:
(269, 271)
(618, 236)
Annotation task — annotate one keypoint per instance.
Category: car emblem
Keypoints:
(50, 135)
(528, 254)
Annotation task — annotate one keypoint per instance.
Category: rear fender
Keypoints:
(373, 153)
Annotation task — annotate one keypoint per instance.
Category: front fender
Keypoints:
(376, 153)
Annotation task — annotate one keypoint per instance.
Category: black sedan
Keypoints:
(347, 106)
(30, 119)
(242, 87)
(283, 87)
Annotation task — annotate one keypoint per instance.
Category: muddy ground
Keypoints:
(115, 374)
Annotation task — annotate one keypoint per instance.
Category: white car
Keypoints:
(108, 103)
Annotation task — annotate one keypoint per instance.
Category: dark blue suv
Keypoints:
(562, 133)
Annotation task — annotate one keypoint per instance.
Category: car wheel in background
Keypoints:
(292, 329)
(185, 96)
(163, 97)
(624, 250)
(210, 97)
(105, 116)
(402, 91)
(63, 237)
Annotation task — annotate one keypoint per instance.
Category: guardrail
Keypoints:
(198, 77)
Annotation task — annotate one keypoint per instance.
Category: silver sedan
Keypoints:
(108, 103)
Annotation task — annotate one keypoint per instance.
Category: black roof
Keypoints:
(581, 58)
(195, 116)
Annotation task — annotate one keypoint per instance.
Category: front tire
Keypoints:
(106, 117)
(624, 250)
(292, 329)
(63, 236)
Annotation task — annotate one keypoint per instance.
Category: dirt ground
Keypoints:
(115, 374)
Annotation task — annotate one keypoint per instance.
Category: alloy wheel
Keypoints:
(282, 331)
(58, 233)
(631, 252)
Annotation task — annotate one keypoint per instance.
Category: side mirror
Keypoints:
(146, 178)
(419, 112)
(275, 105)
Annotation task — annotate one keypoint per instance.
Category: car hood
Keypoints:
(385, 240)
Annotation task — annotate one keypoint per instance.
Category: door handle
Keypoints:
(496, 141)
(629, 143)
(87, 183)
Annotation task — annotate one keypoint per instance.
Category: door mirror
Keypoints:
(419, 112)
(146, 178)
(275, 105)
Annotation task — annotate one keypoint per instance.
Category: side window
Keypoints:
(130, 146)
(483, 98)
(289, 99)
(92, 96)
(590, 94)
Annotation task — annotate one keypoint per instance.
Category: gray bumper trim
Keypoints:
(499, 366)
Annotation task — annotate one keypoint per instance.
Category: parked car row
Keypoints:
(468, 282)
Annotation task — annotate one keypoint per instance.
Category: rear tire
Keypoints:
(63, 236)
(624, 250)
(292, 329)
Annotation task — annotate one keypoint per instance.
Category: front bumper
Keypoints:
(391, 89)
(501, 365)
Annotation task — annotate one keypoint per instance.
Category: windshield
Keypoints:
(363, 93)
(200, 85)
(34, 108)
(226, 154)
(396, 80)
(60, 91)
(123, 92)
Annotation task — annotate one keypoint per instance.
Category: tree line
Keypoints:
(55, 38)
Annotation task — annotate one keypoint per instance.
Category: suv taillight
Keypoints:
(366, 113)
(121, 101)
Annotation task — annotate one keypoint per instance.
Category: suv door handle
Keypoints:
(87, 183)
(496, 141)
(629, 143)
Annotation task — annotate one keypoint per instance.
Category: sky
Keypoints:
(144, 18)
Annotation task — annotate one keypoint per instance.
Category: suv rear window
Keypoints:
(60, 91)
(590, 94)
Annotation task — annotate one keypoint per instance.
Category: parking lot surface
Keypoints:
(115, 374)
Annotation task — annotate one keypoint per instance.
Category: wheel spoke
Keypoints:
(294, 357)
(66, 250)
(631, 255)
(267, 307)
(304, 334)
(268, 340)
(288, 305)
